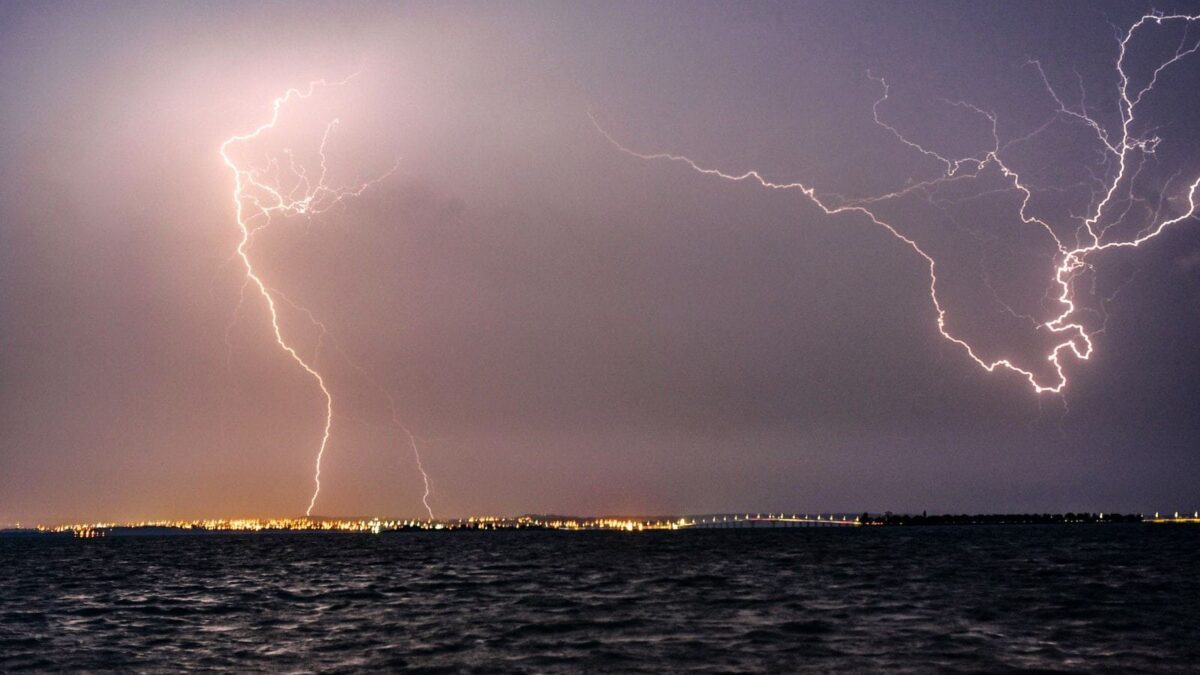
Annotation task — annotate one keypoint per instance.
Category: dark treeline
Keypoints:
(998, 519)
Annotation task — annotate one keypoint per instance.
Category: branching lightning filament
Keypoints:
(279, 190)
(1123, 150)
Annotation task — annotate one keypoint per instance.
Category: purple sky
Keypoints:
(565, 327)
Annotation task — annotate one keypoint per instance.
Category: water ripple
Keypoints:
(1089, 598)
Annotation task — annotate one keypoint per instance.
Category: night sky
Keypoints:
(565, 327)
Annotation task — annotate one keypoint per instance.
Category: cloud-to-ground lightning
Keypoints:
(393, 410)
(282, 189)
(1124, 151)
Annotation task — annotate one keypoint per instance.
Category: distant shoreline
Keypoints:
(578, 524)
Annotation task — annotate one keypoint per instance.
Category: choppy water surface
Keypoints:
(1119, 598)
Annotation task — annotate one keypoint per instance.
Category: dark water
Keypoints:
(1120, 598)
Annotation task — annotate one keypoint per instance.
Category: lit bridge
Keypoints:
(731, 520)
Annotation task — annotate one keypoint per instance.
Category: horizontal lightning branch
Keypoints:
(1071, 259)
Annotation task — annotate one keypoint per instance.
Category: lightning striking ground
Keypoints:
(1123, 149)
(393, 410)
(259, 195)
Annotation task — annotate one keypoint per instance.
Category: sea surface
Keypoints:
(1096, 598)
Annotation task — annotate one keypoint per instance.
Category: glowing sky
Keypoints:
(565, 327)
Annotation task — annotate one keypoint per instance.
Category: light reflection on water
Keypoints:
(1112, 597)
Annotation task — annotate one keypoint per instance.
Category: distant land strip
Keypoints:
(578, 523)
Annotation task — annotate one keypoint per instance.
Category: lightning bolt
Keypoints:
(261, 194)
(411, 439)
(1121, 149)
